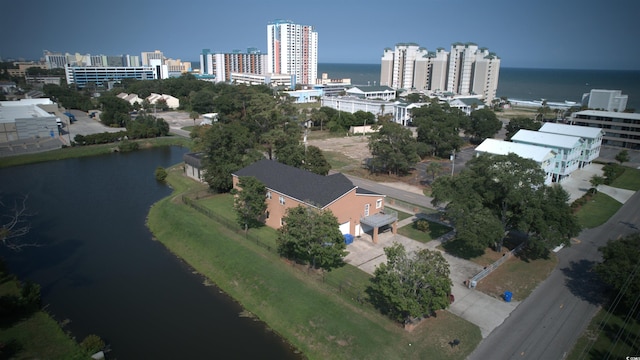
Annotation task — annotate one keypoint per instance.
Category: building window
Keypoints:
(281, 200)
(266, 214)
(269, 195)
(366, 209)
(378, 203)
(282, 222)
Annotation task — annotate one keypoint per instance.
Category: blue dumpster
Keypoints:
(507, 296)
(348, 239)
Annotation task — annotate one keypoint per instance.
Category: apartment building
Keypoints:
(543, 156)
(222, 65)
(105, 76)
(567, 149)
(591, 139)
(465, 70)
(292, 49)
(605, 100)
(620, 129)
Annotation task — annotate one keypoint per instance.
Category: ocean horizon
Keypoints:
(553, 85)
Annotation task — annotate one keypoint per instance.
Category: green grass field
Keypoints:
(597, 211)
(598, 341)
(630, 179)
(435, 231)
(313, 314)
(35, 336)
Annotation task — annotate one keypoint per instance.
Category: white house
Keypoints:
(466, 104)
(591, 137)
(372, 92)
(130, 98)
(567, 148)
(352, 104)
(172, 102)
(542, 155)
(402, 112)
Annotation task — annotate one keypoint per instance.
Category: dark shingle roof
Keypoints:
(193, 159)
(299, 184)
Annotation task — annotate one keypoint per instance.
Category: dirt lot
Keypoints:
(354, 147)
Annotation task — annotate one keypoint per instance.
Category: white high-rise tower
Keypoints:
(292, 49)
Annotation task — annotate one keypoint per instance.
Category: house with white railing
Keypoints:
(568, 150)
(591, 139)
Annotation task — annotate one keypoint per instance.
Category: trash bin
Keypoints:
(507, 296)
(348, 239)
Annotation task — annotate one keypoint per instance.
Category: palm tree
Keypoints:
(194, 115)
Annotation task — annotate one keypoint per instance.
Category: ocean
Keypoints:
(554, 85)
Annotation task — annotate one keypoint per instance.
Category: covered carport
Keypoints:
(378, 220)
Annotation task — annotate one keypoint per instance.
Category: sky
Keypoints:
(559, 34)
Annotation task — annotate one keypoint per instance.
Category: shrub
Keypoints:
(92, 344)
(126, 146)
(161, 174)
(422, 225)
(612, 171)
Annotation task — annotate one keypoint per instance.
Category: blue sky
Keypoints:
(589, 34)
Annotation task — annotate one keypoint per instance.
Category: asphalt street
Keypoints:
(547, 324)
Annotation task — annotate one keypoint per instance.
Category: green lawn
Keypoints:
(313, 314)
(596, 342)
(338, 160)
(36, 336)
(83, 151)
(630, 179)
(597, 211)
(435, 231)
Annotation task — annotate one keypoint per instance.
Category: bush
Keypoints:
(92, 344)
(612, 171)
(161, 174)
(422, 225)
(126, 146)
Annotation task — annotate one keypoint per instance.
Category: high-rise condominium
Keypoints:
(292, 49)
(465, 70)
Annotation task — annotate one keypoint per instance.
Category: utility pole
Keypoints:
(453, 161)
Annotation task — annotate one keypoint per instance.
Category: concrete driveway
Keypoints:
(474, 306)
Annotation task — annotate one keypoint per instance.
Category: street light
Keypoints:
(452, 157)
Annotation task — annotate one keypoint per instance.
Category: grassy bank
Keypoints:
(599, 339)
(84, 151)
(312, 315)
(597, 210)
(35, 335)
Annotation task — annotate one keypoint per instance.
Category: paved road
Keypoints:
(547, 324)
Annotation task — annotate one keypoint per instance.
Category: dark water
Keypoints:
(100, 268)
(555, 85)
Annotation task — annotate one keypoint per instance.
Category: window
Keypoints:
(281, 200)
(378, 203)
(282, 222)
(366, 209)
(266, 215)
(269, 195)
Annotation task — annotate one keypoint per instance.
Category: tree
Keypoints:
(249, 202)
(161, 174)
(518, 123)
(596, 180)
(394, 150)
(315, 161)
(312, 236)
(194, 115)
(433, 168)
(622, 156)
(14, 225)
(439, 128)
(483, 124)
(512, 189)
(227, 148)
(620, 268)
(410, 285)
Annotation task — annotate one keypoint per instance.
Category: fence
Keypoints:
(343, 287)
(487, 270)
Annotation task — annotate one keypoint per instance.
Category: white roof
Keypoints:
(585, 132)
(499, 147)
(611, 114)
(546, 139)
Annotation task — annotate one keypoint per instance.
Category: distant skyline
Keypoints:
(569, 34)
